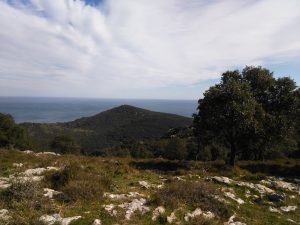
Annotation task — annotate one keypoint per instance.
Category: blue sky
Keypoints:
(169, 49)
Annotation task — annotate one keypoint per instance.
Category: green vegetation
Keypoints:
(82, 181)
(119, 127)
(251, 113)
(12, 135)
(65, 145)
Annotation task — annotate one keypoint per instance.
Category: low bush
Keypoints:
(185, 193)
(78, 183)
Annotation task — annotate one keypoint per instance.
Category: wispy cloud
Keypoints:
(116, 49)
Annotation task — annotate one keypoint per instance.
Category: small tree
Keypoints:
(176, 149)
(11, 134)
(65, 145)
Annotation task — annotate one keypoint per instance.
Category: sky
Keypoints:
(158, 49)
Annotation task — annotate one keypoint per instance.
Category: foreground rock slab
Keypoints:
(199, 212)
(133, 206)
(157, 212)
(4, 215)
(56, 218)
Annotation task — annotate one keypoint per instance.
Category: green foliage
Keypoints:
(65, 145)
(250, 112)
(176, 149)
(78, 184)
(11, 134)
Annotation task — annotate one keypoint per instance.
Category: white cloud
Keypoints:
(67, 48)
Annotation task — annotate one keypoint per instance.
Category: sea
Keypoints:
(52, 110)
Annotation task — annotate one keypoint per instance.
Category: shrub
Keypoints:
(79, 183)
(176, 149)
(191, 194)
(65, 145)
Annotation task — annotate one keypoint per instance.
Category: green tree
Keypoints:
(11, 134)
(250, 112)
(227, 113)
(65, 145)
(278, 102)
(176, 149)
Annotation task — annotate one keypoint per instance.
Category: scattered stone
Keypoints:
(4, 183)
(232, 222)
(292, 221)
(68, 220)
(262, 189)
(273, 197)
(47, 153)
(4, 215)
(18, 165)
(28, 152)
(272, 209)
(38, 171)
(144, 184)
(160, 186)
(199, 212)
(157, 212)
(288, 208)
(56, 218)
(224, 180)
(179, 178)
(120, 196)
(50, 193)
(110, 209)
(285, 185)
(133, 206)
(172, 217)
(233, 197)
(97, 222)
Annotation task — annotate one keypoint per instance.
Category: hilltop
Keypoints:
(110, 128)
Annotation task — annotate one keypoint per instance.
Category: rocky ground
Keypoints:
(47, 188)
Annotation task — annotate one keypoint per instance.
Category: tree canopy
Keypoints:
(250, 112)
(11, 134)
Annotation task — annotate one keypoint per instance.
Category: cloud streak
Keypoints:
(122, 48)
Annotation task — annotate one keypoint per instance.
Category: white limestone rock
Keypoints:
(47, 153)
(232, 222)
(233, 197)
(144, 184)
(4, 182)
(120, 196)
(172, 217)
(288, 208)
(4, 215)
(18, 165)
(272, 209)
(199, 212)
(97, 222)
(133, 206)
(110, 209)
(157, 212)
(50, 193)
(56, 218)
(223, 180)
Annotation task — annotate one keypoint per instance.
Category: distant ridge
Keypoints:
(110, 128)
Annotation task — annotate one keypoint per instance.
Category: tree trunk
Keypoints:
(232, 153)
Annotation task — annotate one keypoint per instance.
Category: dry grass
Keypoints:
(185, 193)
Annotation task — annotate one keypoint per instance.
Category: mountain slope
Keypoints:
(110, 128)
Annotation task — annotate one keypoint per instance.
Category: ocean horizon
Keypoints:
(63, 109)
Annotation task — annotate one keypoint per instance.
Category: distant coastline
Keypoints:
(54, 109)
